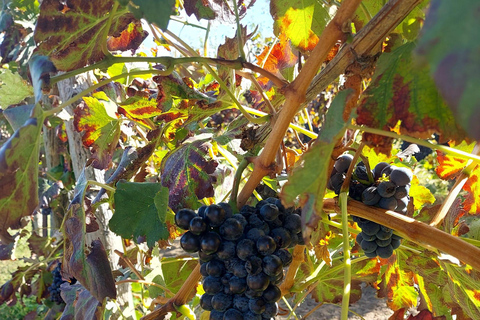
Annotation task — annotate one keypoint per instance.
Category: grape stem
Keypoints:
(418, 232)
(298, 257)
(347, 263)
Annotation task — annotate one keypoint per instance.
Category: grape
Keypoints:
(395, 243)
(215, 215)
(386, 189)
(368, 246)
(361, 172)
(215, 268)
(356, 190)
(201, 212)
(335, 182)
(269, 212)
(402, 205)
(54, 288)
(251, 294)
(279, 205)
(216, 315)
(205, 257)
(231, 229)
(271, 310)
(385, 252)
(243, 221)
(238, 285)
(377, 171)
(272, 293)
(232, 314)
(370, 196)
(210, 242)
(254, 234)
(239, 269)
(285, 256)
(343, 162)
(402, 192)
(383, 243)
(272, 265)
(203, 270)
(246, 248)
(371, 254)
(282, 237)
(258, 282)
(183, 218)
(384, 233)
(240, 302)
(359, 238)
(190, 242)
(293, 223)
(197, 225)
(257, 305)
(370, 228)
(227, 208)
(253, 265)
(387, 170)
(206, 302)
(212, 285)
(227, 250)
(277, 279)
(401, 176)
(251, 316)
(388, 203)
(222, 301)
(266, 245)
(367, 237)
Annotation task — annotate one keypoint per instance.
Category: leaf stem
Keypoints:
(236, 183)
(347, 263)
(101, 185)
(445, 149)
(107, 29)
(239, 32)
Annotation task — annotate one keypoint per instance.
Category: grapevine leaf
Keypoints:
(300, 21)
(138, 108)
(41, 246)
(454, 59)
(71, 33)
(277, 58)
(187, 175)
(140, 211)
(80, 304)
(448, 165)
(19, 174)
(402, 91)
(40, 68)
(101, 131)
(229, 50)
(397, 282)
(154, 11)
(175, 272)
(472, 186)
(220, 10)
(463, 285)
(421, 195)
(129, 39)
(330, 288)
(92, 270)
(310, 178)
(18, 115)
(13, 89)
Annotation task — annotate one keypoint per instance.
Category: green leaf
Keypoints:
(309, 178)
(302, 21)
(13, 89)
(19, 174)
(100, 130)
(176, 271)
(137, 108)
(141, 209)
(187, 174)
(154, 11)
(199, 9)
(72, 33)
(17, 116)
(403, 91)
(92, 270)
(449, 44)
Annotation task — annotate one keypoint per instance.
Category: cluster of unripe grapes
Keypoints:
(387, 187)
(242, 256)
(54, 288)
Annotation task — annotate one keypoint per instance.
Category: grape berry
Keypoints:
(242, 255)
(54, 288)
(389, 191)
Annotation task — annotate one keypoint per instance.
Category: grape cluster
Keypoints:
(387, 187)
(54, 288)
(242, 256)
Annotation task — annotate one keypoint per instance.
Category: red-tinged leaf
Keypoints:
(472, 186)
(61, 132)
(402, 91)
(219, 10)
(71, 33)
(277, 58)
(101, 131)
(41, 246)
(92, 270)
(19, 175)
(449, 166)
(300, 21)
(454, 59)
(397, 282)
(187, 175)
(425, 315)
(129, 39)
(398, 314)
(421, 195)
(139, 108)
(80, 304)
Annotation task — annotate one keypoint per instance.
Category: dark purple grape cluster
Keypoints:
(387, 187)
(242, 255)
(54, 288)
